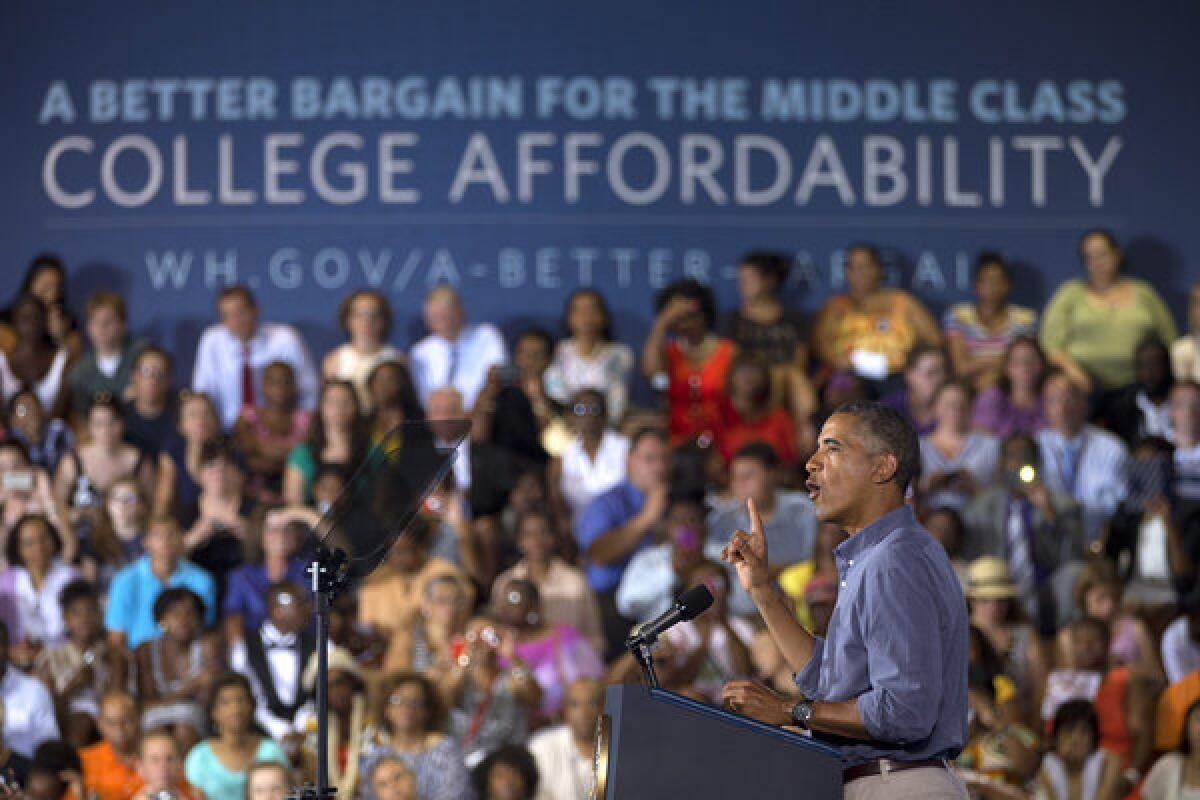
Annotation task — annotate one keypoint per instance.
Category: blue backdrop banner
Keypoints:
(520, 151)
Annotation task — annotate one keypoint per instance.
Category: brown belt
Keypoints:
(881, 766)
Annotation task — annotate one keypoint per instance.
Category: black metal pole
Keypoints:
(323, 605)
(641, 654)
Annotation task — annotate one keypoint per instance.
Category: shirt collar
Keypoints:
(272, 637)
(858, 544)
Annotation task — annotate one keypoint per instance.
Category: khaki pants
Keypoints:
(926, 783)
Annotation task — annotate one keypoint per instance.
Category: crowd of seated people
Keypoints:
(155, 615)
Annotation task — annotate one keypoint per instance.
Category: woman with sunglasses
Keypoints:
(406, 724)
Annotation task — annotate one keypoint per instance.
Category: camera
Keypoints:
(18, 480)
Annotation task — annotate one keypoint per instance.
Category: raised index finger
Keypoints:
(756, 526)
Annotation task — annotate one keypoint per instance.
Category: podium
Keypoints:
(655, 744)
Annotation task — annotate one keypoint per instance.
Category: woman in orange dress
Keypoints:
(870, 329)
(684, 357)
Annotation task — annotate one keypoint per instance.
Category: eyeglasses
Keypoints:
(401, 701)
(587, 410)
(152, 372)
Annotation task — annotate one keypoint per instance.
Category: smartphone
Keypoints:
(18, 480)
(508, 374)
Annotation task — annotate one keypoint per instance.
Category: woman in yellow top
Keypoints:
(1091, 326)
(870, 329)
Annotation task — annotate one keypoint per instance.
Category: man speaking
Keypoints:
(887, 685)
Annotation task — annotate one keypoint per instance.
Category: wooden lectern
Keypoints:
(657, 745)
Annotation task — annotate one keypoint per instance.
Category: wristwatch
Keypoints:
(802, 713)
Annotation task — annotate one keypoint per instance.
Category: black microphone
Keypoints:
(689, 605)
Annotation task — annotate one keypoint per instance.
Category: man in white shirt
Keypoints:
(232, 355)
(274, 658)
(563, 753)
(657, 574)
(1082, 461)
(1181, 642)
(28, 708)
(454, 353)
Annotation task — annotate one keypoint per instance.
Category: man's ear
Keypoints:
(883, 467)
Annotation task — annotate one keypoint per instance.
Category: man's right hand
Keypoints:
(747, 552)
(756, 701)
(656, 504)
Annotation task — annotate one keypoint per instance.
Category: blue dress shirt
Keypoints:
(613, 508)
(897, 643)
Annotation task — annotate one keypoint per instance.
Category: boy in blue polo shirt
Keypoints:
(129, 617)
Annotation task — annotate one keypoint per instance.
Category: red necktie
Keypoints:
(247, 379)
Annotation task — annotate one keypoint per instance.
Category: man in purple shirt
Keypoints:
(887, 685)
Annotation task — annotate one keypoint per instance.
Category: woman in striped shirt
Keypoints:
(978, 333)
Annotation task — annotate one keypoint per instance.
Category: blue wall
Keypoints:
(609, 102)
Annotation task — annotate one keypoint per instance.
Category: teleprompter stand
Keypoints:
(379, 502)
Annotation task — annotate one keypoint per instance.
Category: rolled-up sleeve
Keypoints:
(808, 679)
(904, 662)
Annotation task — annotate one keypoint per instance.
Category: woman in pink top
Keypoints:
(557, 655)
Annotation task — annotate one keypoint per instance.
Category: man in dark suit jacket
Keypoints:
(274, 656)
(1019, 518)
(1139, 410)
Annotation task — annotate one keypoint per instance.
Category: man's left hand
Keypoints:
(756, 701)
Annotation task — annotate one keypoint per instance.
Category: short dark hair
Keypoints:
(218, 448)
(871, 250)
(106, 400)
(691, 289)
(775, 266)
(1074, 714)
(1098, 626)
(539, 333)
(154, 350)
(284, 587)
(106, 298)
(12, 548)
(56, 756)
(348, 302)
(759, 451)
(77, 591)
(650, 431)
(237, 290)
(990, 259)
(512, 755)
(174, 596)
(1151, 342)
(1026, 440)
(1105, 234)
(21, 394)
(893, 433)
